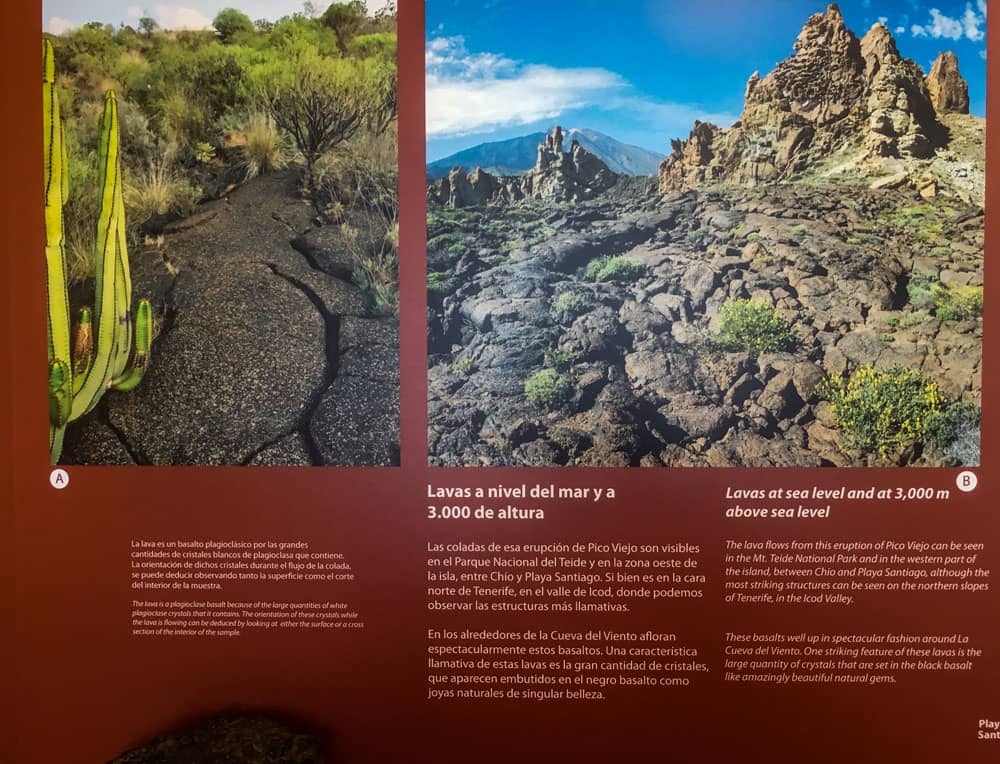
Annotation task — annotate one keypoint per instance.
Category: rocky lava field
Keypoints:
(575, 316)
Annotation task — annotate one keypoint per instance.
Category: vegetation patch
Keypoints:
(955, 432)
(437, 281)
(567, 302)
(920, 221)
(883, 411)
(754, 327)
(557, 359)
(548, 389)
(610, 268)
(959, 303)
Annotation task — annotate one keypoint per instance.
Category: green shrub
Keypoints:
(548, 389)
(230, 23)
(920, 221)
(959, 303)
(557, 359)
(947, 303)
(883, 411)
(567, 302)
(184, 122)
(922, 289)
(437, 281)
(753, 326)
(613, 269)
(445, 241)
(466, 366)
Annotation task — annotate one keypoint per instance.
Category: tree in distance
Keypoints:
(229, 22)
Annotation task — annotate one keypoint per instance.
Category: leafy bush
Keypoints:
(345, 19)
(613, 269)
(230, 22)
(959, 303)
(883, 411)
(184, 122)
(920, 221)
(264, 150)
(754, 327)
(548, 389)
(557, 359)
(567, 302)
(379, 45)
(921, 289)
(320, 102)
(947, 303)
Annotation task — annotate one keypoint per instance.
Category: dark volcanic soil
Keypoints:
(267, 354)
(645, 387)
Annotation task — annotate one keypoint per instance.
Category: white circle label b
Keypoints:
(967, 481)
(59, 479)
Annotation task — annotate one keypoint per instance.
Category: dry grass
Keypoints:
(264, 150)
(158, 190)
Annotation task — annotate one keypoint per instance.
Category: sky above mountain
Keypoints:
(643, 70)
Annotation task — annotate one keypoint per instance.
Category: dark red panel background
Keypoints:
(85, 690)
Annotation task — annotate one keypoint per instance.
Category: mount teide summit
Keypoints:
(856, 99)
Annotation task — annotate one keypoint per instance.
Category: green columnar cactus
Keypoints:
(78, 379)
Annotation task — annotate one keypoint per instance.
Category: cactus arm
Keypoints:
(55, 259)
(83, 348)
(57, 299)
(101, 371)
(143, 344)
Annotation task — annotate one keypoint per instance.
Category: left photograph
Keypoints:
(221, 233)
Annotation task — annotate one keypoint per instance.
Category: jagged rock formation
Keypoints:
(836, 93)
(266, 354)
(948, 89)
(557, 176)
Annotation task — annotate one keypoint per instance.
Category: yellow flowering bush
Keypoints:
(883, 411)
(753, 326)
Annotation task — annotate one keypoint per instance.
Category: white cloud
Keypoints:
(57, 25)
(883, 20)
(477, 92)
(179, 17)
(982, 54)
(470, 93)
(899, 30)
(969, 25)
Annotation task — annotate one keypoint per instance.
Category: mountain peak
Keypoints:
(836, 92)
(518, 155)
(948, 89)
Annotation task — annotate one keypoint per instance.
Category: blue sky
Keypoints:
(643, 70)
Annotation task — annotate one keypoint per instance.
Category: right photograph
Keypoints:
(661, 236)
